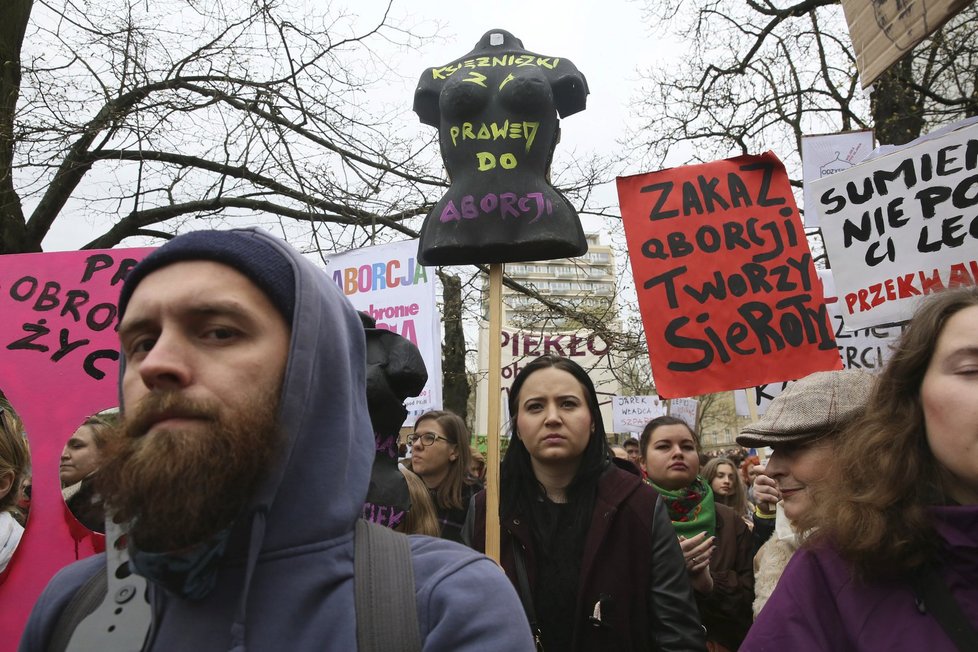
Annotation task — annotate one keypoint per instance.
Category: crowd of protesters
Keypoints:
(859, 531)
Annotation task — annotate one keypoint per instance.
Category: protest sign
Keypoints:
(725, 280)
(518, 347)
(496, 110)
(386, 282)
(883, 32)
(59, 352)
(867, 349)
(631, 413)
(901, 226)
(685, 409)
(827, 154)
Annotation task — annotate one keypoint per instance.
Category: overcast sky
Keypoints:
(607, 41)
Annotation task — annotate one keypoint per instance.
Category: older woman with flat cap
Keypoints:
(802, 426)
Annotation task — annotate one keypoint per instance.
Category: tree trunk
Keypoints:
(455, 382)
(897, 111)
(13, 26)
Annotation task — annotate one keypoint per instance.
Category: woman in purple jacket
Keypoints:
(895, 555)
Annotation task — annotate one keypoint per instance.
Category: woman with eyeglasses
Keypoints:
(440, 455)
(14, 465)
(586, 543)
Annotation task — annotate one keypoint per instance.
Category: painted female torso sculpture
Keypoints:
(497, 114)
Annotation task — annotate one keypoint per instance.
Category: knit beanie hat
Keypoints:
(810, 407)
(248, 251)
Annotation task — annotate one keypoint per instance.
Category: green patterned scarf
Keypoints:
(691, 508)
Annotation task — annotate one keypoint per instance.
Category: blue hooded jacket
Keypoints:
(295, 540)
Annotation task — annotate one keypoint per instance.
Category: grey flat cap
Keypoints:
(809, 407)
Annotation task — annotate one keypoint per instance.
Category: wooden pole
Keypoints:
(493, 428)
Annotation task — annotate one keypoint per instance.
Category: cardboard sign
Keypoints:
(631, 413)
(58, 365)
(386, 282)
(901, 226)
(827, 154)
(867, 349)
(883, 31)
(726, 285)
(685, 409)
(496, 112)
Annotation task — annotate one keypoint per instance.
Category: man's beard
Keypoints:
(179, 487)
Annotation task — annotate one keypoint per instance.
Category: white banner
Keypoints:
(828, 154)
(631, 413)
(521, 347)
(685, 409)
(901, 226)
(386, 282)
(866, 348)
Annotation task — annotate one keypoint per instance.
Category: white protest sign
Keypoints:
(867, 349)
(519, 347)
(631, 413)
(827, 154)
(685, 409)
(386, 282)
(901, 226)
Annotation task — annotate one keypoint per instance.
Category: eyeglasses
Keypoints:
(427, 438)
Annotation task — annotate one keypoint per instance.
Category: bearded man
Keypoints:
(243, 464)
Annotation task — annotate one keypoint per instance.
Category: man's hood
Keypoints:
(316, 488)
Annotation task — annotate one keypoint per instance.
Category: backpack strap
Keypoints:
(111, 610)
(386, 606)
(83, 603)
(933, 597)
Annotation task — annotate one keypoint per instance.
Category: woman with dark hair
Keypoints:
(441, 455)
(586, 543)
(80, 462)
(892, 558)
(715, 541)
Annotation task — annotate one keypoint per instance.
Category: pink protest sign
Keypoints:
(58, 365)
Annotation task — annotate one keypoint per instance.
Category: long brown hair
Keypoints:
(873, 505)
(14, 456)
(737, 501)
(422, 517)
(449, 492)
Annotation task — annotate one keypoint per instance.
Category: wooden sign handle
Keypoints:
(493, 428)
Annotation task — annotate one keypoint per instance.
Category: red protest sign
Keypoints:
(58, 365)
(726, 285)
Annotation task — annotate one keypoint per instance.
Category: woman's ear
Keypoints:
(6, 483)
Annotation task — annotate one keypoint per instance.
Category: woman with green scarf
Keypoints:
(715, 540)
